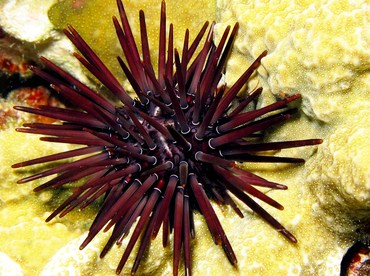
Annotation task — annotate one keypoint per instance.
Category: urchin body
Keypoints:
(162, 156)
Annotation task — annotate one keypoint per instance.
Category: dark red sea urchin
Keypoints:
(148, 156)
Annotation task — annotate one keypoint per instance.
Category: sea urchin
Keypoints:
(162, 156)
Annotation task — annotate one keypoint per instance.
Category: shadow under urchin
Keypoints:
(163, 155)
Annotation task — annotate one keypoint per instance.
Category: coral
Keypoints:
(319, 48)
(93, 20)
(339, 175)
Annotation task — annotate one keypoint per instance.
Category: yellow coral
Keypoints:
(317, 48)
(93, 20)
(321, 50)
(340, 174)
